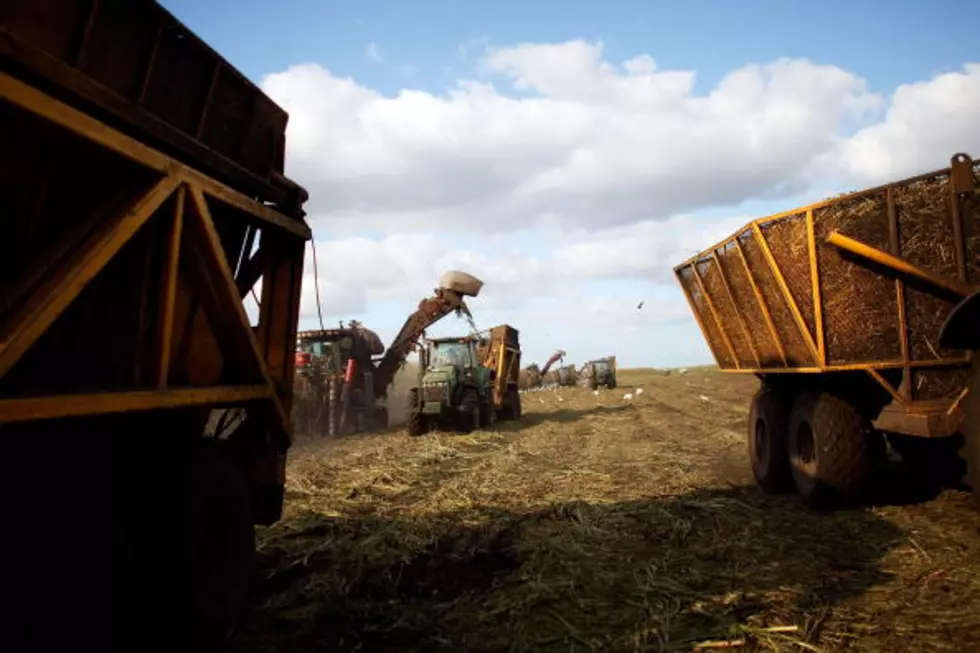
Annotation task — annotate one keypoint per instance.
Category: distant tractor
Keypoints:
(343, 374)
(468, 382)
(336, 370)
(600, 372)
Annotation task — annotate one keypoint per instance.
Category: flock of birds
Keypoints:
(554, 387)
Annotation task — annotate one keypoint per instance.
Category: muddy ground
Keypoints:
(600, 524)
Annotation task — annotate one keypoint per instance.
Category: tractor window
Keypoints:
(601, 366)
(454, 354)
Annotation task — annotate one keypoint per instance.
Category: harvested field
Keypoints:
(593, 525)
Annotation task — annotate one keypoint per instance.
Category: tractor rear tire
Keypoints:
(488, 414)
(469, 411)
(768, 432)
(828, 450)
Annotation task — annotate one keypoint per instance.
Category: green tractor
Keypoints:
(468, 382)
(600, 372)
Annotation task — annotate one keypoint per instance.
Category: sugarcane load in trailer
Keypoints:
(837, 307)
(144, 412)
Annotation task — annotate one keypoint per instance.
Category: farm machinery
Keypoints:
(344, 373)
(335, 380)
(532, 376)
(469, 381)
(837, 307)
(599, 372)
(144, 197)
(566, 376)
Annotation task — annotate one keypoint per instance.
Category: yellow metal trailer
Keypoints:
(144, 412)
(837, 307)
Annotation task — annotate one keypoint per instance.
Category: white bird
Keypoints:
(595, 392)
(628, 397)
(639, 391)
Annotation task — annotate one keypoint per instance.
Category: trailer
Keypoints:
(144, 412)
(837, 308)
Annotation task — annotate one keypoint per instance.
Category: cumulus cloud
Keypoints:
(926, 123)
(573, 137)
(553, 167)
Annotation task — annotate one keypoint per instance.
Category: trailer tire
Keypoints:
(215, 540)
(469, 411)
(69, 580)
(768, 435)
(828, 449)
(515, 402)
(970, 429)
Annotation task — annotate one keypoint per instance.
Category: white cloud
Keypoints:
(373, 53)
(604, 168)
(927, 122)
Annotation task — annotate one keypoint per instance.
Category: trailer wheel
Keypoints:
(69, 580)
(469, 411)
(767, 441)
(515, 402)
(827, 449)
(971, 432)
(215, 541)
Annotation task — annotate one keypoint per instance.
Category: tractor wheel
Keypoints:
(469, 411)
(767, 440)
(417, 422)
(828, 449)
(970, 429)
(215, 541)
(514, 398)
(380, 421)
(593, 384)
(488, 415)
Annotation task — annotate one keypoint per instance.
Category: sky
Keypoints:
(570, 154)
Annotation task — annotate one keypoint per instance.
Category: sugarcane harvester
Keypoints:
(346, 372)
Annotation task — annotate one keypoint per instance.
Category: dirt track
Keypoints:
(593, 524)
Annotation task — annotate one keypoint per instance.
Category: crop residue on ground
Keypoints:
(600, 524)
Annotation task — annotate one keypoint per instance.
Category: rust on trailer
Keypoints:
(59, 113)
(142, 71)
(811, 241)
(738, 313)
(856, 283)
(192, 239)
(898, 264)
(763, 307)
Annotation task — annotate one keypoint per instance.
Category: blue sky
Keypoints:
(387, 47)
(887, 43)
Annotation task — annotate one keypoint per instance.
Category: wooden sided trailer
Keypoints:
(837, 307)
(145, 414)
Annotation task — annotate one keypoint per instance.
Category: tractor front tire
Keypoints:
(469, 411)
(828, 450)
(417, 422)
(767, 441)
